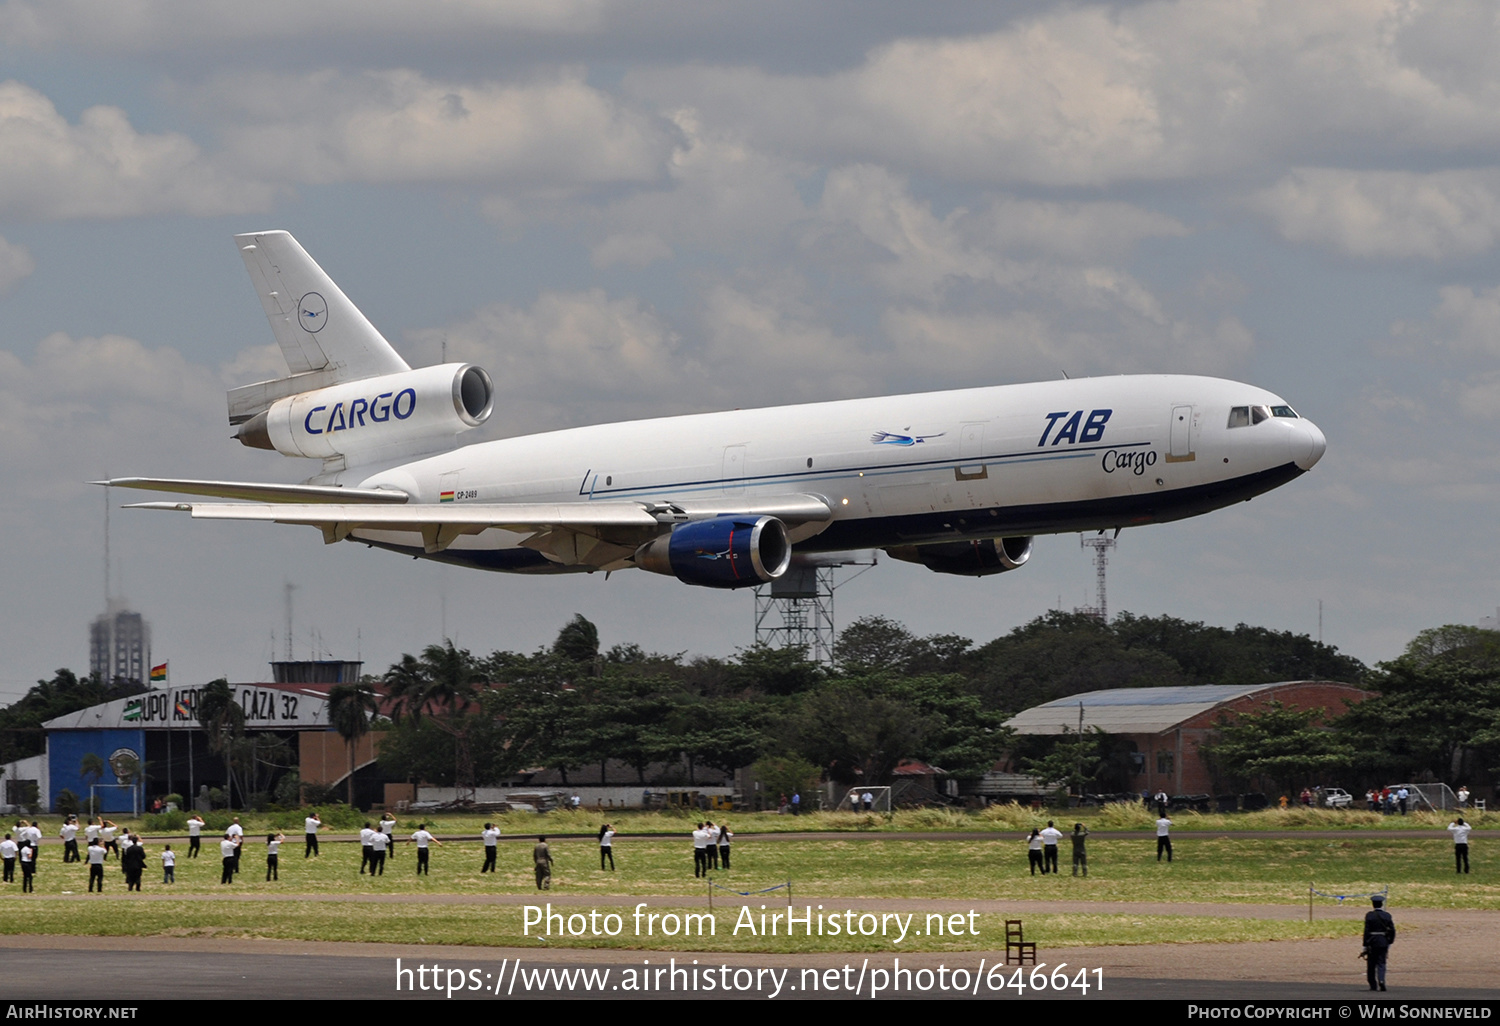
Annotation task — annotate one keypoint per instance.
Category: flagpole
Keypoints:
(169, 735)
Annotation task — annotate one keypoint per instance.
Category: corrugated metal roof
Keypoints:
(1129, 710)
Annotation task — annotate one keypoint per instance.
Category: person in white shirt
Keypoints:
(1050, 836)
(388, 827)
(378, 845)
(229, 850)
(869, 800)
(607, 846)
(700, 851)
(711, 849)
(90, 832)
(364, 847)
(8, 851)
(195, 831)
(1163, 839)
(423, 839)
(237, 834)
(312, 825)
(1460, 831)
(491, 838)
(273, 848)
(96, 855)
(168, 865)
(69, 835)
(28, 868)
(1034, 852)
(107, 830)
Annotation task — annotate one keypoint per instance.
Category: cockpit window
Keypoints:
(1259, 413)
(1239, 416)
(1283, 411)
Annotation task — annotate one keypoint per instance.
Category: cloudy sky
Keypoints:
(627, 209)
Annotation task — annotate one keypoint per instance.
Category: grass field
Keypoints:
(997, 819)
(331, 901)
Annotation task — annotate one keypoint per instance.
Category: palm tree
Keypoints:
(221, 716)
(350, 707)
(442, 685)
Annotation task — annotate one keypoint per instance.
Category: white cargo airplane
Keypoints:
(956, 481)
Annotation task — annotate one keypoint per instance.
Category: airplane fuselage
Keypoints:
(1008, 460)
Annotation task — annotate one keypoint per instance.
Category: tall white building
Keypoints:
(120, 644)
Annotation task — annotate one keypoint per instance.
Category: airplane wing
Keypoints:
(258, 492)
(594, 533)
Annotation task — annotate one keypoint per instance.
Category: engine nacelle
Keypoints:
(725, 552)
(968, 559)
(395, 415)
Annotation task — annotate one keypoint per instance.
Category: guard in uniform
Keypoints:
(1380, 933)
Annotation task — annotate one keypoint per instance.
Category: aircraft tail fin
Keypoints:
(322, 334)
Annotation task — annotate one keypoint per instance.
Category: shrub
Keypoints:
(66, 803)
(161, 822)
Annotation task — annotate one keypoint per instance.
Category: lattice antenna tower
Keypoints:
(796, 609)
(1101, 546)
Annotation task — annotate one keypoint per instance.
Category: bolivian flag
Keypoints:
(445, 497)
(159, 672)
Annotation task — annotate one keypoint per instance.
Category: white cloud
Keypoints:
(16, 265)
(1028, 343)
(156, 25)
(103, 167)
(574, 358)
(719, 195)
(1464, 321)
(81, 407)
(632, 249)
(1093, 95)
(400, 126)
(1387, 214)
(1010, 241)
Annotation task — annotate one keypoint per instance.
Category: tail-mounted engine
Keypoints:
(967, 559)
(398, 414)
(725, 552)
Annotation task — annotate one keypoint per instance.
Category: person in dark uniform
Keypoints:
(133, 862)
(1079, 837)
(1380, 933)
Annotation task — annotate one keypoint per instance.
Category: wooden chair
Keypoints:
(1018, 950)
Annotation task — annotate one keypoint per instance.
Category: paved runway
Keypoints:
(97, 970)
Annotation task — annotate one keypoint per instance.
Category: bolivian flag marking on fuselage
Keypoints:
(445, 496)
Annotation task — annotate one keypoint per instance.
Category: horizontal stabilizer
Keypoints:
(256, 492)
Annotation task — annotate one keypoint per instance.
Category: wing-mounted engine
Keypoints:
(967, 559)
(415, 411)
(725, 552)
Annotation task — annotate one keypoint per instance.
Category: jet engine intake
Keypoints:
(408, 412)
(725, 552)
(967, 559)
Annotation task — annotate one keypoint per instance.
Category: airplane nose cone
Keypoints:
(1307, 444)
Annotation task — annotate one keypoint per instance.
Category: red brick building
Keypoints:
(1167, 726)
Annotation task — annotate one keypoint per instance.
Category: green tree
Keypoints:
(578, 641)
(445, 685)
(223, 720)
(1074, 760)
(1433, 714)
(350, 706)
(1279, 747)
(875, 644)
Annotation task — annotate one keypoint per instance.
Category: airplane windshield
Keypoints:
(1244, 416)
